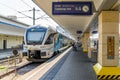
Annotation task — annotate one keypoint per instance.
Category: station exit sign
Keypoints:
(72, 8)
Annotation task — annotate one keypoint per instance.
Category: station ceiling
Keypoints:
(73, 23)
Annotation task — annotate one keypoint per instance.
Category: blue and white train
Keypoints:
(43, 42)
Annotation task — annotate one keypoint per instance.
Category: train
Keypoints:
(42, 42)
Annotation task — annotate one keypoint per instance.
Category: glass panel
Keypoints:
(49, 39)
(35, 37)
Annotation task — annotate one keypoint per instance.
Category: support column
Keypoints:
(85, 42)
(89, 50)
(108, 48)
(89, 47)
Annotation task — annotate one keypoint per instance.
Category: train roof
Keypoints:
(58, 29)
(42, 26)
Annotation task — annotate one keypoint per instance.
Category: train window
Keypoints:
(35, 37)
(49, 39)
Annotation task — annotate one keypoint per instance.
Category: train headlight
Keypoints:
(31, 51)
(25, 47)
(30, 48)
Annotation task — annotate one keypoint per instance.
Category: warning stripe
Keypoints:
(108, 77)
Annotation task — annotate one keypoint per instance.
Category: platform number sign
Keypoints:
(110, 47)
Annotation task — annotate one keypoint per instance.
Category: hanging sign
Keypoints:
(72, 8)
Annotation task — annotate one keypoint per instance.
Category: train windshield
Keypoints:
(35, 37)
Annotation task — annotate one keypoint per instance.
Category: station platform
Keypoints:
(75, 65)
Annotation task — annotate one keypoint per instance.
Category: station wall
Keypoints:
(8, 41)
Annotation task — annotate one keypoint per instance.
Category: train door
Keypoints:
(55, 41)
(4, 44)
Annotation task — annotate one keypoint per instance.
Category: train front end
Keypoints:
(34, 39)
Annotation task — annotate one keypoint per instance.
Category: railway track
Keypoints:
(27, 68)
(21, 70)
(6, 59)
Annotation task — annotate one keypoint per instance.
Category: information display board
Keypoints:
(72, 8)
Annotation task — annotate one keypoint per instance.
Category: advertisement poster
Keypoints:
(110, 47)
